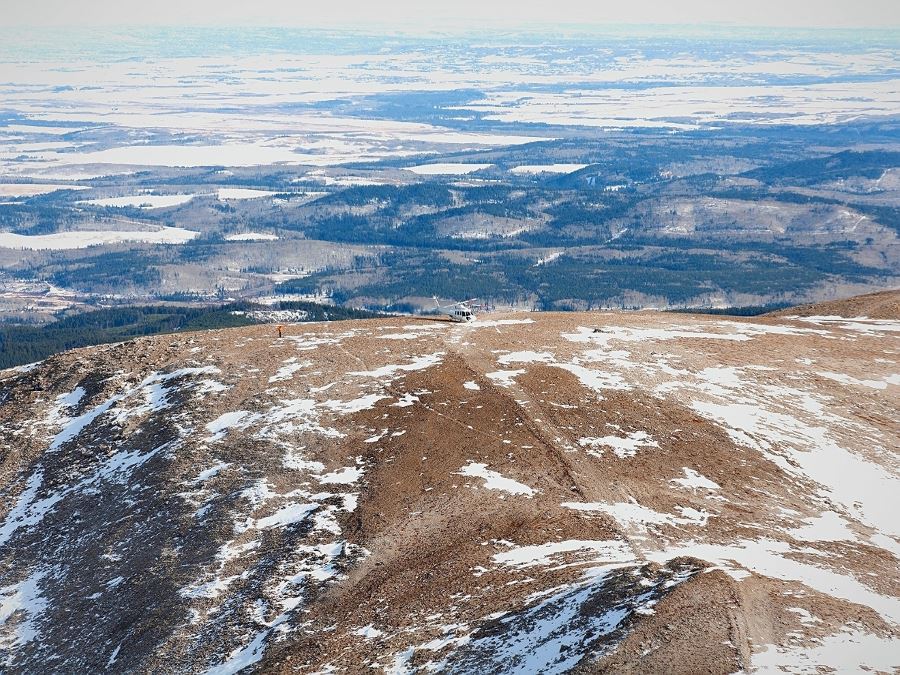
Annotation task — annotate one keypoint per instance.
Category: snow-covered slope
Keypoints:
(591, 493)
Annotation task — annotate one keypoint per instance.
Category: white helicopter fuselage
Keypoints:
(460, 312)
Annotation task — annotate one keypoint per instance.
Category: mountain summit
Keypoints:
(553, 493)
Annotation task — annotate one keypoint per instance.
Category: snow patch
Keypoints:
(356, 405)
(594, 379)
(850, 651)
(606, 551)
(525, 357)
(223, 194)
(504, 378)
(286, 515)
(622, 447)
(212, 471)
(496, 481)
(866, 490)
(695, 480)
(21, 605)
(418, 363)
(769, 558)
(893, 379)
(828, 526)
(239, 419)
(633, 515)
(369, 632)
(346, 476)
(286, 372)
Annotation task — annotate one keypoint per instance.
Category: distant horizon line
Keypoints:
(411, 30)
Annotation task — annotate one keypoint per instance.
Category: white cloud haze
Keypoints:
(453, 15)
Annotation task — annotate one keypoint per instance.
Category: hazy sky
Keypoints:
(453, 14)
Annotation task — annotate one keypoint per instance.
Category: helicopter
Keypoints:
(460, 312)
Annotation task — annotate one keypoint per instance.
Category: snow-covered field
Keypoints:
(242, 193)
(83, 238)
(686, 107)
(240, 110)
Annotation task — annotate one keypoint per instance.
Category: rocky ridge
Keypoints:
(577, 492)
